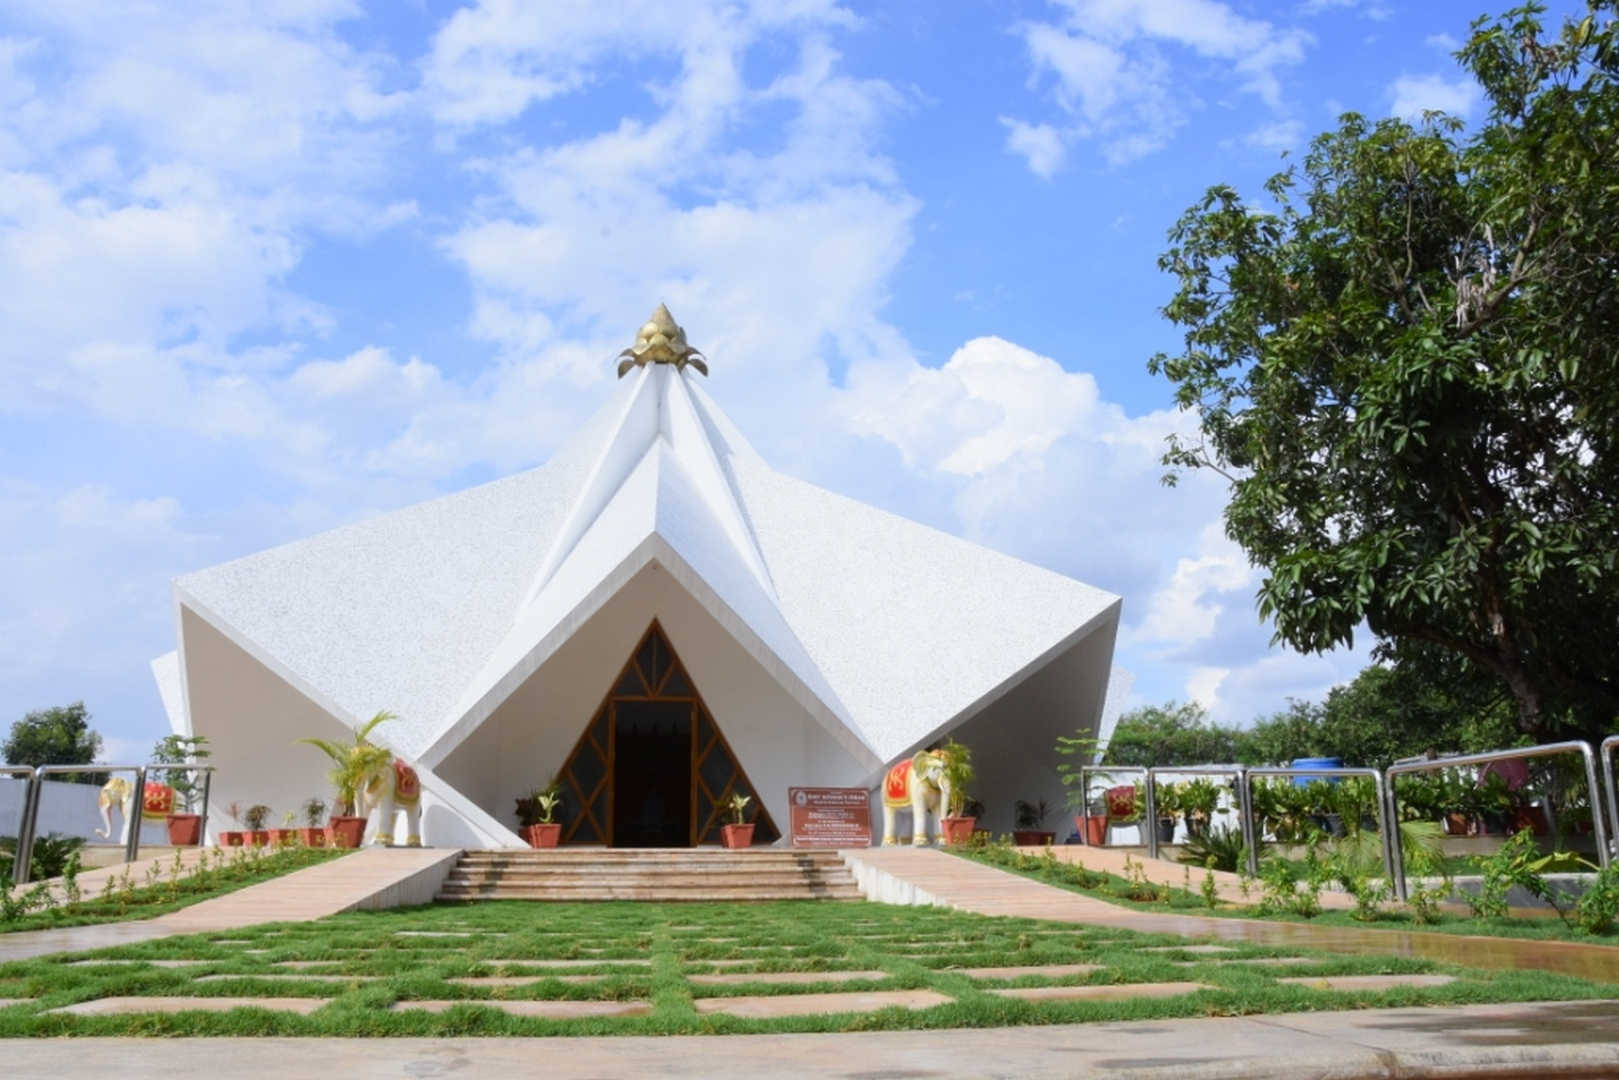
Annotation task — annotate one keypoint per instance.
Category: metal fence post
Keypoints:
(25, 821)
(136, 816)
(1609, 745)
(1251, 825)
(1150, 813)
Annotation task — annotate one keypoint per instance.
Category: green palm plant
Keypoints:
(353, 765)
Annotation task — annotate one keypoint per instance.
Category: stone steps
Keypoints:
(659, 874)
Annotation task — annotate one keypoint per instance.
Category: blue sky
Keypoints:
(269, 267)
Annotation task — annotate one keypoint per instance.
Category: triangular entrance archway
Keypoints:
(652, 767)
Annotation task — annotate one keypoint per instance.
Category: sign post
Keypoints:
(830, 817)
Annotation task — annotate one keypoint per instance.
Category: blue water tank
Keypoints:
(1316, 763)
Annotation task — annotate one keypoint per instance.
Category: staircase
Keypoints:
(658, 874)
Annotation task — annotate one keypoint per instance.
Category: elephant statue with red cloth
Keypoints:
(119, 794)
(921, 784)
(390, 789)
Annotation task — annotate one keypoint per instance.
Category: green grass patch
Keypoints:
(172, 887)
(666, 944)
(1147, 896)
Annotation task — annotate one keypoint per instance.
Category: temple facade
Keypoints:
(656, 620)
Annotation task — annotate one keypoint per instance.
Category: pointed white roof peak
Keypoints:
(887, 631)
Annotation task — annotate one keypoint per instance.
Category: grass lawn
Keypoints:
(171, 889)
(412, 954)
(1117, 890)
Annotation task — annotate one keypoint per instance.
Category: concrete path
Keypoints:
(929, 876)
(373, 878)
(1534, 1040)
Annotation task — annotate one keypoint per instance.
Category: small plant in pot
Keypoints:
(313, 832)
(1166, 804)
(185, 826)
(536, 814)
(1199, 798)
(1030, 819)
(255, 817)
(1095, 820)
(957, 826)
(287, 835)
(233, 837)
(739, 833)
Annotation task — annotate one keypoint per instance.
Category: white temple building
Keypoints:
(654, 617)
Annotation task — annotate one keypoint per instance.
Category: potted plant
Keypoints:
(1457, 803)
(1167, 803)
(185, 827)
(233, 838)
(287, 835)
(1030, 817)
(255, 816)
(313, 833)
(739, 833)
(1322, 805)
(352, 765)
(1096, 818)
(956, 826)
(534, 817)
(1078, 752)
(1199, 798)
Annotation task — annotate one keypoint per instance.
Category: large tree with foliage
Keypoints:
(59, 735)
(1408, 369)
(1169, 734)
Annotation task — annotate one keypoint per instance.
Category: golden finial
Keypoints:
(660, 341)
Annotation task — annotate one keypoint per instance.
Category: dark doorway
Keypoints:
(652, 774)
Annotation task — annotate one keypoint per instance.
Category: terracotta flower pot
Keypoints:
(284, 837)
(345, 832)
(313, 837)
(259, 837)
(957, 830)
(185, 830)
(1457, 825)
(544, 835)
(232, 839)
(737, 836)
(1096, 831)
(1032, 837)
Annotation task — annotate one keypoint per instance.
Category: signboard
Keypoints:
(830, 817)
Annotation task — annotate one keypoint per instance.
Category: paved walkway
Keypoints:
(910, 875)
(375, 877)
(1533, 1040)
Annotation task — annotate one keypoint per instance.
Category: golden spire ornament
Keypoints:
(660, 341)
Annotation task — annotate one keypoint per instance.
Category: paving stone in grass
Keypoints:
(441, 933)
(1109, 992)
(153, 963)
(785, 977)
(582, 962)
(1367, 982)
(523, 980)
(300, 964)
(1267, 961)
(110, 1006)
(6, 1003)
(550, 1010)
(288, 976)
(1052, 970)
(765, 1007)
(230, 941)
(1200, 949)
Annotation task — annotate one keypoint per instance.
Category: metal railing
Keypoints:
(25, 824)
(1085, 773)
(133, 846)
(1244, 817)
(1598, 826)
(1385, 827)
(1605, 752)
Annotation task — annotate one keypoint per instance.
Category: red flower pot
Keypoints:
(345, 832)
(737, 836)
(1096, 831)
(259, 837)
(232, 839)
(1032, 837)
(544, 835)
(957, 830)
(1457, 824)
(313, 837)
(185, 830)
(284, 837)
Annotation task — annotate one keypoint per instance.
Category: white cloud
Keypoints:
(1121, 72)
(1412, 95)
(1281, 135)
(1443, 42)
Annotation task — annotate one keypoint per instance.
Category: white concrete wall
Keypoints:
(528, 738)
(69, 809)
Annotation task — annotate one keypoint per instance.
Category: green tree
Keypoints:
(56, 736)
(1408, 372)
(1169, 734)
(181, 750)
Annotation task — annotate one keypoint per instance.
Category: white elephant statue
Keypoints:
(921, 785)
(119, 794)
(390, 789)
